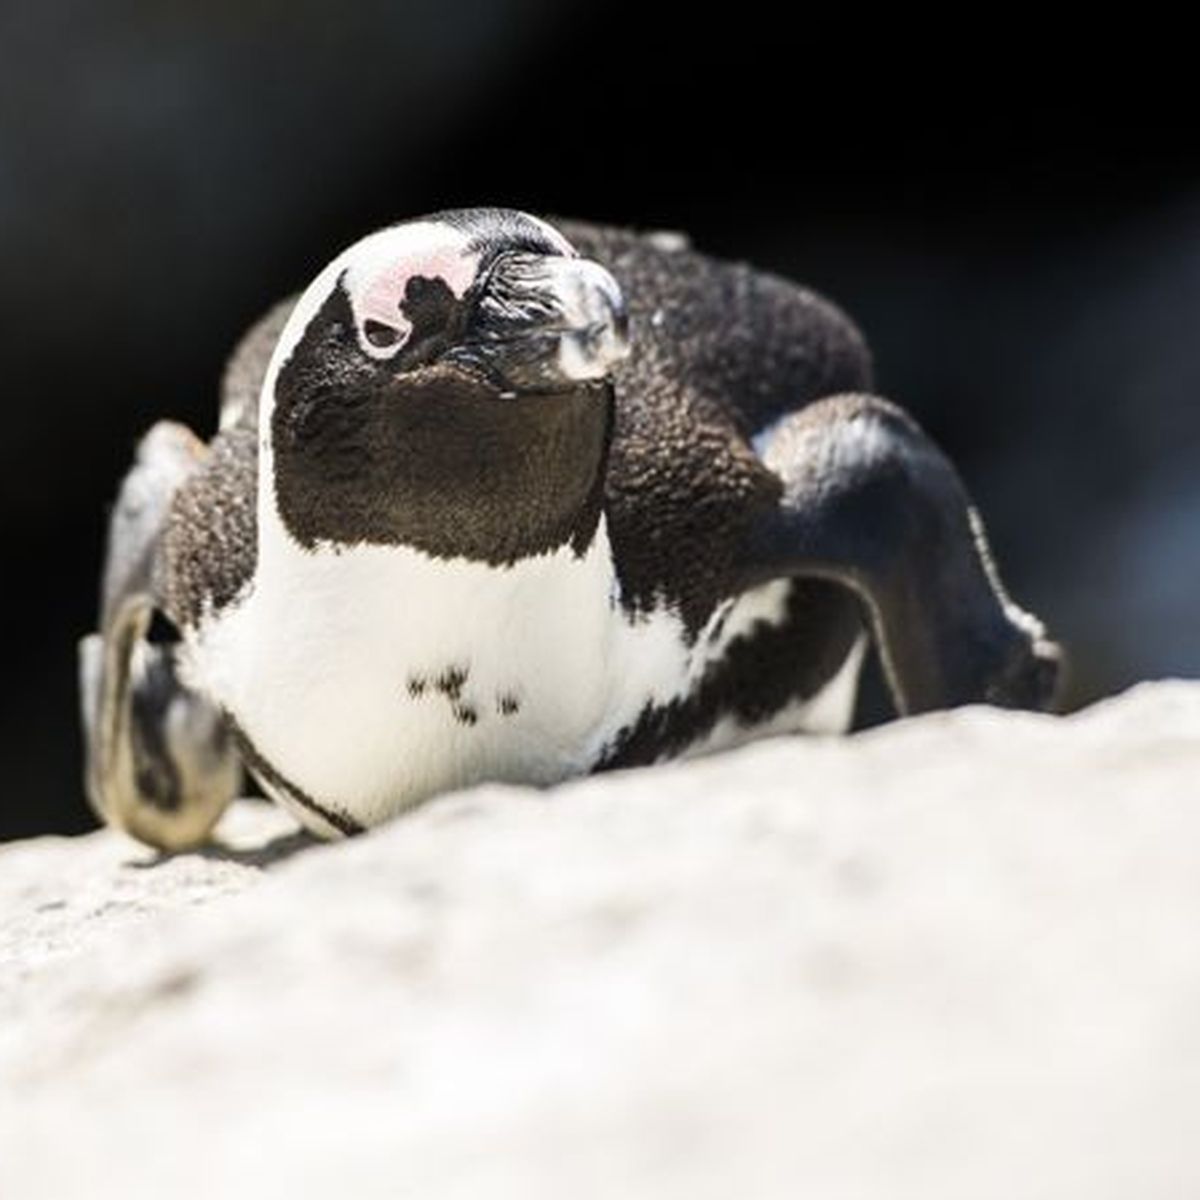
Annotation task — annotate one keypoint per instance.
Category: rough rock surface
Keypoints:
(956, 957)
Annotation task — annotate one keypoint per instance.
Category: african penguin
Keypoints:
(496, 499)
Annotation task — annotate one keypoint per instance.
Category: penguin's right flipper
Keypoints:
(870, 502)
(160, 761)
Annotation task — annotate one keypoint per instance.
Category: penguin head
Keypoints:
(446, 383)
(497, 294)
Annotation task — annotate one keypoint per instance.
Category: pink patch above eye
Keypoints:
(380, 303)
(380, 300)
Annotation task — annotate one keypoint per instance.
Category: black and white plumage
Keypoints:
(495, 499)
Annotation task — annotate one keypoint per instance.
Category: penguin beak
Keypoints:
(544, 322)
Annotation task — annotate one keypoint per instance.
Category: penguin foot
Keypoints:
(1031, 676)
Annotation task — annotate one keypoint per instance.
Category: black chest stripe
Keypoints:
(340, 821)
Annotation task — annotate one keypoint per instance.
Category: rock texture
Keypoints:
(956, 957)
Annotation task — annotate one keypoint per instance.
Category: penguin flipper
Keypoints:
(160, 762)
(870, 502)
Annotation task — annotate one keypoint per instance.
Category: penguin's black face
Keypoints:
(446, 384)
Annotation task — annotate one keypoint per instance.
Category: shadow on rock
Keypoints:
(277, 850)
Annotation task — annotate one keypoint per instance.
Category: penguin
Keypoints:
(503, 498)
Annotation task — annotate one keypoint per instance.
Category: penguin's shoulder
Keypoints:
(209, 549)
(733, 340)
(718, 352)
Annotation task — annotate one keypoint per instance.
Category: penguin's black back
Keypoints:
(739, 343)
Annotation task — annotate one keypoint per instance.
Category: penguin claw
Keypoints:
(1032, 677)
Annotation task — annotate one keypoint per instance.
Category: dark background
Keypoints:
(1013, 217)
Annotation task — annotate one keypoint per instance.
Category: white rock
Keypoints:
(957, 957)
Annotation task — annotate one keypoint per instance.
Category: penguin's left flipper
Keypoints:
(160, 762)
(870, 502)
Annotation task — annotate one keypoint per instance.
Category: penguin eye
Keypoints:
(381, 336)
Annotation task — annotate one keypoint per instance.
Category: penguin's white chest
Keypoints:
(375, 676)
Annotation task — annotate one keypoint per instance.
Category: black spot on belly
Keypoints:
(465, 714)
(508, 704)
(416, 686)
(760, 673)
(450, 682)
